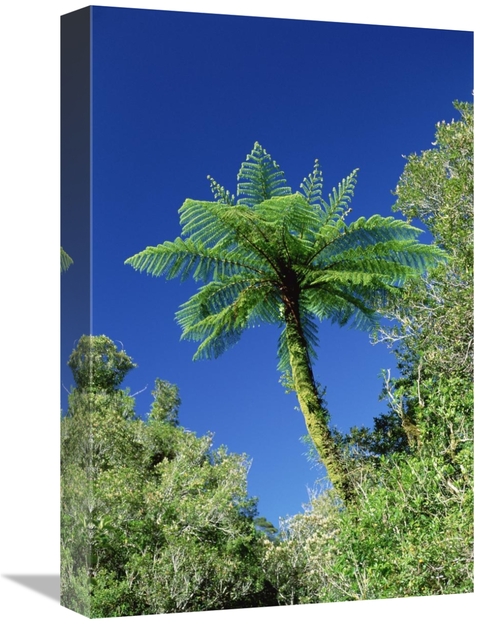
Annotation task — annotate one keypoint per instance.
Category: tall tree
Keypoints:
(270, 255)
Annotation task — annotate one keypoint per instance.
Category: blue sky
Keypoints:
(178, 96)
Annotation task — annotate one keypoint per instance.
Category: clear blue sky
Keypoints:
(178, 96)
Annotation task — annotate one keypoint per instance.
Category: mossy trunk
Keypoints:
(315, 414)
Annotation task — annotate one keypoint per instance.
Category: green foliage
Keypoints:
(66, 261)
(289, 259)
(410, 535)
(433, 337)
(153, 518)
(437, 187)
(97, 365)
(266, 527)
(260, 178)
(410, 532)
(165, 407)
(253, 250)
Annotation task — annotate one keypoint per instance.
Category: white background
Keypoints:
(29, 307)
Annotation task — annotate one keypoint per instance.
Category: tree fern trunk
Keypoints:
(315, 414)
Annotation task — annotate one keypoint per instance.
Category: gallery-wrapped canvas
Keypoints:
(267, 312)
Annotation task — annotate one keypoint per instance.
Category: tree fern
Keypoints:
(267, 255)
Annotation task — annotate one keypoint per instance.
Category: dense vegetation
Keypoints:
(411, 532)
(154, 519)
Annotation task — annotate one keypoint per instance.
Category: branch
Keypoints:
(139, 391)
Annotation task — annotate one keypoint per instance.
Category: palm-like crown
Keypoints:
(268, 247)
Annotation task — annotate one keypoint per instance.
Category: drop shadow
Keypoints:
(45, 584)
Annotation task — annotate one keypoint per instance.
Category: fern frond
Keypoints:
(229, 227)
(312, 186)
(339, 238)
(398, 258)
(333, 214)
(201, 220)
(341, 303)
(283, 353)
(291, 214)
(377, 274)
(184, 258)
(219, 312)
(216, 334)
(260, 178)
(66, 261)
(340, 198)
(379, 227)
(220, 194)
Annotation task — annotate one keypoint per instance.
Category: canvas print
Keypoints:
(267, 312)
